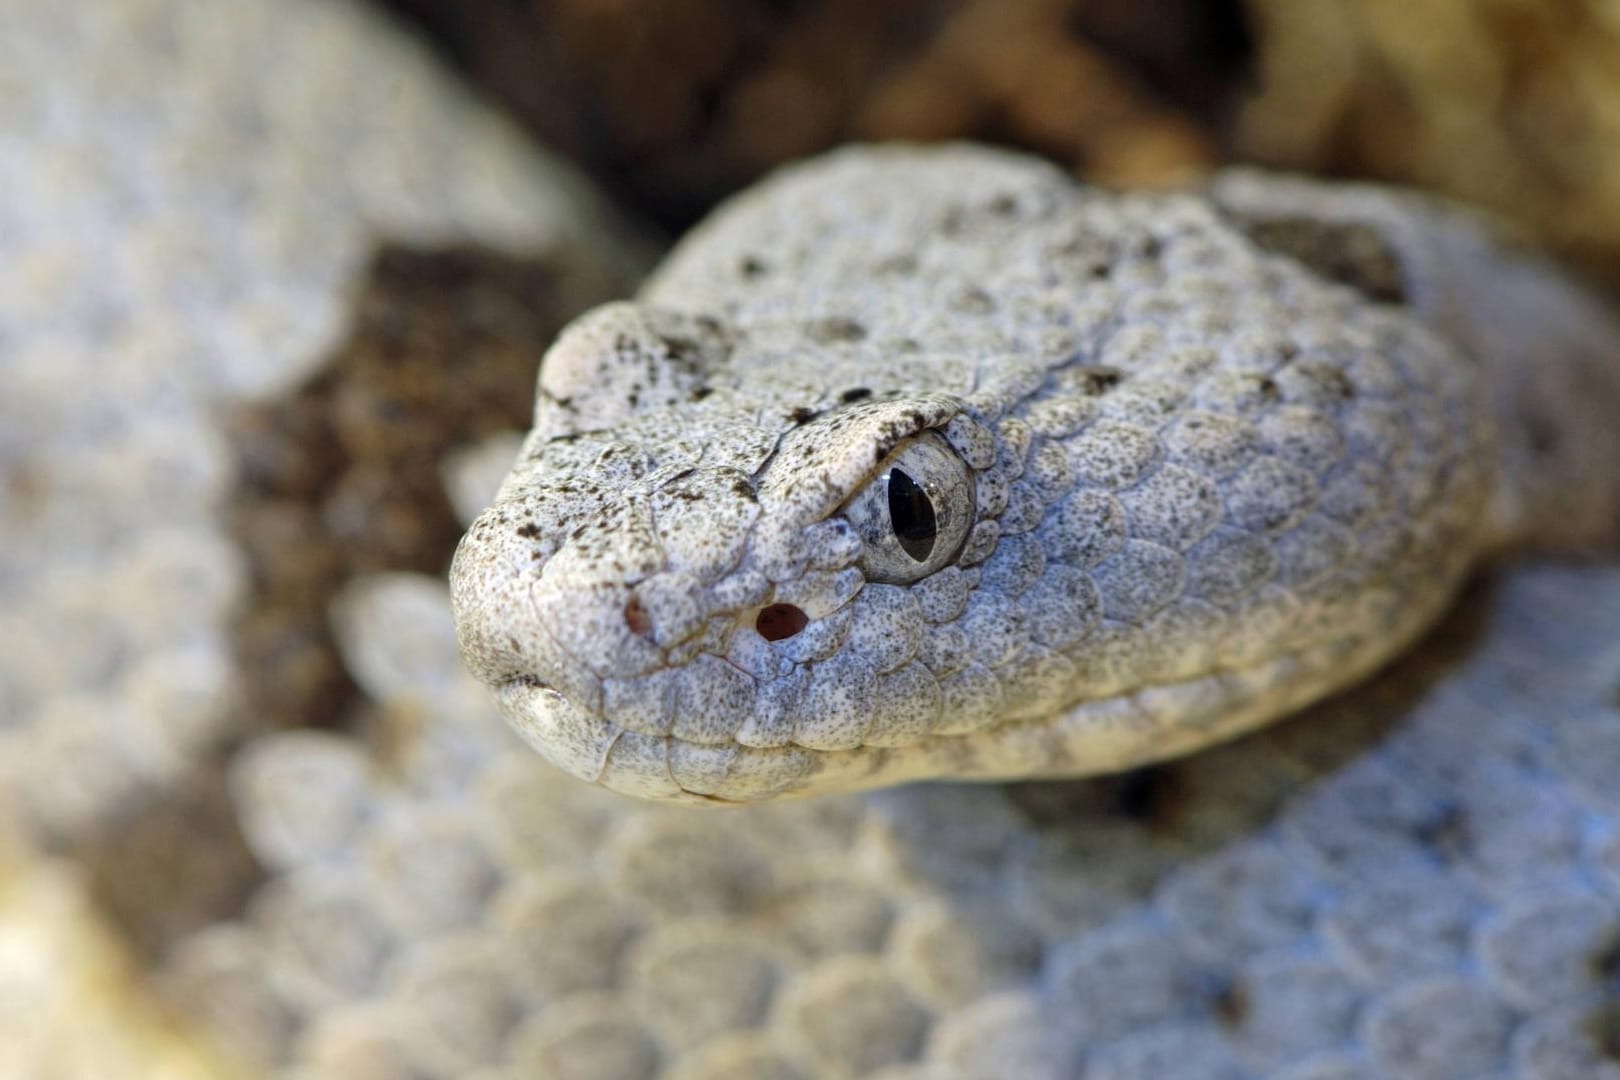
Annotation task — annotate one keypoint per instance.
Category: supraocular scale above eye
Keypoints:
(914, 515)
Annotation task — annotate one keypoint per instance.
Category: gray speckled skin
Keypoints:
(1229, 452)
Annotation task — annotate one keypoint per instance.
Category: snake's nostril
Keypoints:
(780, 621)
(636, 618)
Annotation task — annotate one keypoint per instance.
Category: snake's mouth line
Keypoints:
(531, 682)
(1146, 723)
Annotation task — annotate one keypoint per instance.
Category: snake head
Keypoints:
(924, 463)
(694, 583)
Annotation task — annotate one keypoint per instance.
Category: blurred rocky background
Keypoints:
(1511, 104)
(676, 103)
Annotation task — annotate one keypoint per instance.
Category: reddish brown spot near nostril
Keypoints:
(636, 618)
(780, 621)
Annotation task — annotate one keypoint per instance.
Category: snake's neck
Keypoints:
(1550, 353)
(1548, 348)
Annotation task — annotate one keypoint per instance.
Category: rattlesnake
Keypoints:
(1418, 879)
(930, 463)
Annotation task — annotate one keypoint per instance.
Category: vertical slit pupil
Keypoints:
(911, 513)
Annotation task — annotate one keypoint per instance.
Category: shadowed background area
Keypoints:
(1511, 104)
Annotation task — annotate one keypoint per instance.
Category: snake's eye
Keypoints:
(915, 514)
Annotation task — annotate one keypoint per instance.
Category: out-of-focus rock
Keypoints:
(71, 1005)
(676, 103)
(1511, 104)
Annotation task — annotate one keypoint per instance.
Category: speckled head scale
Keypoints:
(692, 571)
(931, 463)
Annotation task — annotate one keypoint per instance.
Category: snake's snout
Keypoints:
(563, 614)
(548, 623)
(599, 638)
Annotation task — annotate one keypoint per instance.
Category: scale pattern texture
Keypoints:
(186, 214)
(1418, 880)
